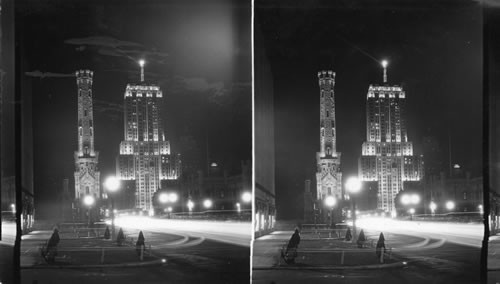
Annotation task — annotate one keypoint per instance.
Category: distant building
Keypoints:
(87, 175)
(8, 194)
(264, 141)
(223, 190)
(387, 155)
(145, 153)
(464, 191)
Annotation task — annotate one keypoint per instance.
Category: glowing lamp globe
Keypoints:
(246, 197)
(433, 206)
(330, 201)
(88, 200)
(353, 185)
(141, 62)
(384, 63)
(415, 199)
(112, 184)
(163, 198)
(450, 205)
(207, 203)
(173, 197)
(405, 199)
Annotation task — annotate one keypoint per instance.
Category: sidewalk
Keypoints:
(494, 252)
(329, 253)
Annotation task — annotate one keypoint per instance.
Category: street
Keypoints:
(191, 256)
(433, 253)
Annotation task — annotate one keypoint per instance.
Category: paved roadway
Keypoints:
(206, 252)
(435, 253)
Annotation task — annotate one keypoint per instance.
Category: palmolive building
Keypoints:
(145, 153)
(387, 155)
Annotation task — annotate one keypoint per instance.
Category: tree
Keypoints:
(361, 239)
(120, 238)
(348, 235)
(380, 245)
(107, 235)
(140, 243)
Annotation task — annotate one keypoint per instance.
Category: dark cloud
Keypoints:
(40, 74)
(109, 46)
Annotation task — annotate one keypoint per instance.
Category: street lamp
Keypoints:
(433, 207)
(353, 186)
(190, 206)
(207, 203)
(330, 201)
(246, 197)
(450, 205)
(166, 197)
(112, 184)
(410, 199)
(88, 200)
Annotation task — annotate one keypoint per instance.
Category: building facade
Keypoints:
(387, 156)
(265, 212)
(87, 175)
(328, 175)
(145, 153)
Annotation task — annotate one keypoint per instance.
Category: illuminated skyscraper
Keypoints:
(145, 154)
(387, 155)
(86, 158)
(328, 176)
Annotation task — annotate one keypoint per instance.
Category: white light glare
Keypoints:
(163, 197)
(353, 184)
(190, 204)
(330, 201)
(246, 197)
(207, 203)
(433, 206)
(173, 197)
(384, 63)
(450, 205)
(88, 200)
(141, 62)
(112, 183)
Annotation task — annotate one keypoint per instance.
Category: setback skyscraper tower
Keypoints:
(145, 154)
(387, 155)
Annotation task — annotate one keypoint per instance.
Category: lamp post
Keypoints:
(450, 205)
(246, 197)
(88, 200)
(330, 201)
(411, 200)
(353, 186)
(166, 198)
(190, 205)
(433, 207)
(112, 184)
(207, 203)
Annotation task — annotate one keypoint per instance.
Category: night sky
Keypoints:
(199, 52)
(434, 49)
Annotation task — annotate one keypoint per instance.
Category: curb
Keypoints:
(118, 265)
(359, 267)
